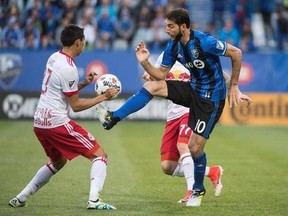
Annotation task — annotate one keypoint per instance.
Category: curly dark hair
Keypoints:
(179, 16)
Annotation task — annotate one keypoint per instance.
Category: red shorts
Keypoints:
(176, 131)
(69, 141)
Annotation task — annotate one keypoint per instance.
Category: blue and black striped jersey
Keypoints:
(201, 57)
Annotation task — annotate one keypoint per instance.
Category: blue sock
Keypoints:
(199, 171)
(133, 104)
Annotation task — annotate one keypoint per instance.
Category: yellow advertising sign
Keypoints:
(266, 109)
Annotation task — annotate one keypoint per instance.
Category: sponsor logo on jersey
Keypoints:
(220, 45)
(178, 75)
(207, 94)
(196, 63)
(10, 69)
(195, 53)
(199, 64)
(71, 83)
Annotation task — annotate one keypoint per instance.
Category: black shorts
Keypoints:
(204, 114)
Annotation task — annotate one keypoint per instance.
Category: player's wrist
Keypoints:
(145, 62)
(102, 98)
(233, 83)
(86, 83)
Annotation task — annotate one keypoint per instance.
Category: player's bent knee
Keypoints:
(100, 153)
(94, 156)
(100, 159)
(167, 168)
(59, 164)
(196, 150)
(156, 88)
(167, 171)
(149, 87)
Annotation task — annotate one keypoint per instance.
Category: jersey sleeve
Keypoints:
(159, 60)
(69, 81)
(168, 59)
(214, 46)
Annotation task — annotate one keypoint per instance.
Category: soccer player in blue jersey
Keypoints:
(205, 94)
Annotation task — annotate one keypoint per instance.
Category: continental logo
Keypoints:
(267, 109)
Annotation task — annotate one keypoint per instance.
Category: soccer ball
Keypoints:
(106, 81)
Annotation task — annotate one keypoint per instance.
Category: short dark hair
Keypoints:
(70, 34)
(179, 16)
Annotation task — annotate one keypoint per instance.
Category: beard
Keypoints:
(178, 36)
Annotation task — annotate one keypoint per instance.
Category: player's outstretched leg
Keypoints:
(215, 175)
(41, 178)
(106, 117)
(133, 104)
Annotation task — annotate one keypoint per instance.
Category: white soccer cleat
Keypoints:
(101, 112)
(106, 117)
(196, 198)
(15, 202)
(99, 205)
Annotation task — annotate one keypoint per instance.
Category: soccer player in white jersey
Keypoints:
(176, 158)
(62, 138)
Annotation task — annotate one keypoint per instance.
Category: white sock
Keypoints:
(97, 176)
(178, 170)
(207, 170)
(41, 178)
(188, 169)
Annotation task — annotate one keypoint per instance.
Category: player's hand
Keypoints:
(110, 93)
(244, 97)
(142, 53)
(235, 96)
(89, 77)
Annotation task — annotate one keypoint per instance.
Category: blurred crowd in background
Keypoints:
(251, 25)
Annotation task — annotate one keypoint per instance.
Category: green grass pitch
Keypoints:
(255, 160)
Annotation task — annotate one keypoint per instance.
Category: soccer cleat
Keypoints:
(105, 117)
(186, 197)
(196, 198)
(110, 121)
(99, 205)
(15, 202)
(101, 112)
(215, 176)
